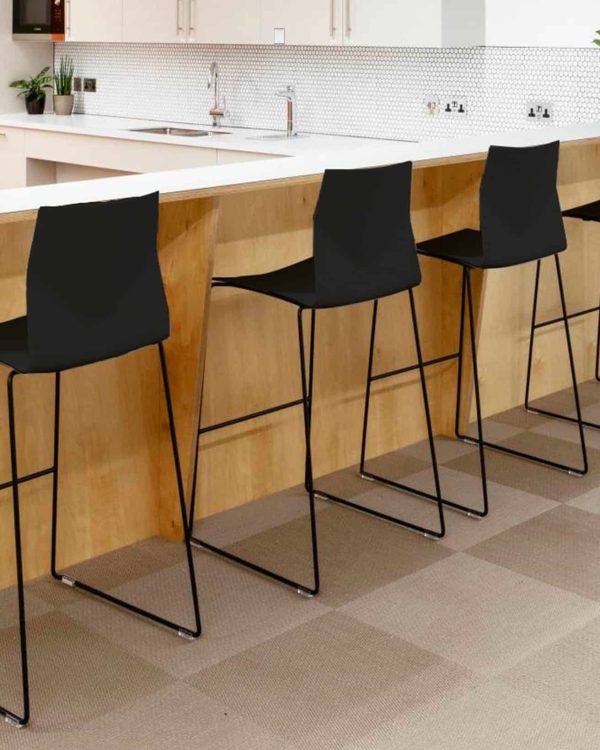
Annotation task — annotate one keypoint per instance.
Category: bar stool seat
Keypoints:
(464, 247)
(589, 212)
(294, 284)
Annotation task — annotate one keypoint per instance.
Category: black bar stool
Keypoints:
(587, 212)
(93, 293)
(364, 249)
(521, 221)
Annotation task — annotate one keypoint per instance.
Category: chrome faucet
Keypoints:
(218, 109)
(289, 94)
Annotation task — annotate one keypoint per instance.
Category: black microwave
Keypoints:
(39, 20)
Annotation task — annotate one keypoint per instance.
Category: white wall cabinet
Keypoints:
(312, 22)
(94, 20)
(371, 23)
(158, 21)
(375, 23)
(225, 21)
(530, 23)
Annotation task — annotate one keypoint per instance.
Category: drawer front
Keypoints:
(12, 140)
(115, 153)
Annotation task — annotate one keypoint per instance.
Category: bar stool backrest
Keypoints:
(364, 246)
(521, 219)
(94, 287)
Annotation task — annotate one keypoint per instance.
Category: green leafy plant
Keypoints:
(63, 78)
(33, 88)
(597, 41)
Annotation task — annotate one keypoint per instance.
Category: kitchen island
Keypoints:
(116, 480)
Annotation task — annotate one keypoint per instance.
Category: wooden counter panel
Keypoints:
(117, 478)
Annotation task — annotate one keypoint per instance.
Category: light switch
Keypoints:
(278, 36)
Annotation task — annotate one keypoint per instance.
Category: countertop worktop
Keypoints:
(307, 157)
(228, 139)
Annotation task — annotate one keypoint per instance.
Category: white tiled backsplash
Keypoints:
(379, 92)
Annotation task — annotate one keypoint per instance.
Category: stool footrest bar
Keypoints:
(248, 417)
(570, 316)
(29, 477)
(411, 368)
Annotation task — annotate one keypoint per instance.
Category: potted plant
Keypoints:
(33, 91)
(63, 84)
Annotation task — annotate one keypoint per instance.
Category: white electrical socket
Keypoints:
(454, 106)
(539, 110)
(432, 106)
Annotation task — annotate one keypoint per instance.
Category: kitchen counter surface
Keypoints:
(230, 139)
(307, 158)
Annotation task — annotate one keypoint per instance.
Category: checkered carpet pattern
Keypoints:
(487, 640)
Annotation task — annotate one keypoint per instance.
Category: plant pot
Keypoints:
(34, 105)
(63, 104)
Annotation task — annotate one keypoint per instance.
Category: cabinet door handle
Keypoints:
(192, 23)
(68, 18)
(179, 20)
(333, 27)
(349, 17)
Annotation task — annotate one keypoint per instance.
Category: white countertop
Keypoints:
(307, 156)
(228, 139)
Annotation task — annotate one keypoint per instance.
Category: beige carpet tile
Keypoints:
(520, 418)
(177, 717)
(35, 606)
(358, 553)
(494, 430)
(474, 613)
(589, 501)
(561, 430)
(347, 483)
(560, 547)
(253, 518)
(490, 715)
(111, 570)
(239, 610)
(532, 477)
(332, 678)
(447, 449)
(76, 675)
(589, 395)
(507, 506)
(565, 674)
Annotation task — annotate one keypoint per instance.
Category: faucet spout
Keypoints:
(289, 94)
(217, 111)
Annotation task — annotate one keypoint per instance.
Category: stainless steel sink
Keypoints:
(184, 132)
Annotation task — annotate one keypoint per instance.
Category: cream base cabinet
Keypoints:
(94, 20)
(224, 21)
(553, 23)
(156, 21)
(314, 22)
